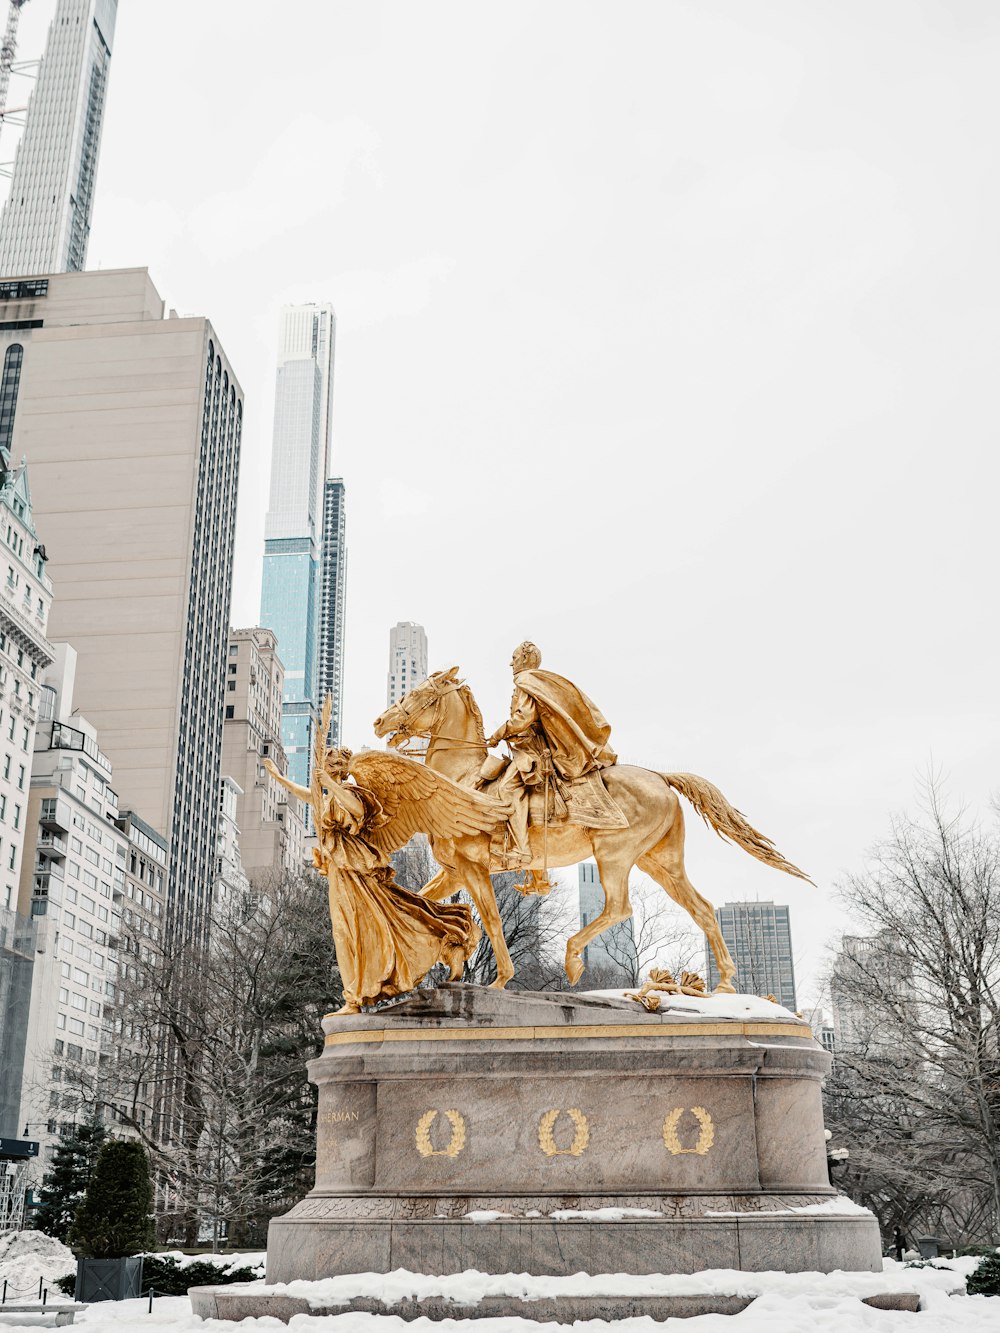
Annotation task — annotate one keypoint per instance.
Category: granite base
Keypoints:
(467, 1128)
(562, 1247)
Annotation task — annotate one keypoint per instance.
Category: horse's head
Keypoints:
(416, 714)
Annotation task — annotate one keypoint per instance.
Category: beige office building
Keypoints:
(270, 820)
(132, 420)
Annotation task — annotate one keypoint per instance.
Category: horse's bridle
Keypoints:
(405, 733)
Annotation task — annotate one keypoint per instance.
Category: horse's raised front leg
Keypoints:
(614, 881)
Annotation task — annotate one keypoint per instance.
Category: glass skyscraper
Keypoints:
(611, 958)
(334, 581)
(46, 221)
(759, 937)
(291, 591)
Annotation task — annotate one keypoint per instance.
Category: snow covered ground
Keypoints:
(786, 1302)
(29, 1256)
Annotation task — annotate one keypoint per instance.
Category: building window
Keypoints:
(9, 383)
(230, 712)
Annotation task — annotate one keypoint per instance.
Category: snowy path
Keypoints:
(769, 1314)
(786, 1302)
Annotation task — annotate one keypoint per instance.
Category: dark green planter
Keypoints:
(108, 1279)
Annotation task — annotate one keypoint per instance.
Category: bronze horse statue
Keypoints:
(443, 709)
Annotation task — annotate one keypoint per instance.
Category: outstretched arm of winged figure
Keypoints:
(415, 799)
(303, 793)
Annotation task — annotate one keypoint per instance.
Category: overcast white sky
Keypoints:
(667, 336)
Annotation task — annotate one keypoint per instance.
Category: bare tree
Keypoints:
(206, 1063)
(660, 935)
(414, 865)
(916, 1089)
(535, 928)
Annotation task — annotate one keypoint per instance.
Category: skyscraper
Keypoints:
(46, 221)
(132, 422)
(407, 659)
(759, 937)
(74, 887)
(333, 576)
(859, 1028)
(271, 820)
(290, 590)
(611, 959)
(25, 654)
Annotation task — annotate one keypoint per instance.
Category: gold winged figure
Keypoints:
(365, 807)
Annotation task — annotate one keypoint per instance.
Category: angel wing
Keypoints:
(415, 799)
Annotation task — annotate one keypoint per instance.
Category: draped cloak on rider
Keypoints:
(575, 729)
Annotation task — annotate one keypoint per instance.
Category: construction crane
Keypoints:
(7, 53)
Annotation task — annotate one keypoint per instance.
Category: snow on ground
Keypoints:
(804, 1313)
(786, 1302)
(26, 1257)
(472, 1287)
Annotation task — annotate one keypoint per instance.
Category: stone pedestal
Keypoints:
(554, 1133)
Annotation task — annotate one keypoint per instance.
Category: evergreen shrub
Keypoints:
(113, 1221)
(64, 1184)
(985, 1281)
(167, 1278)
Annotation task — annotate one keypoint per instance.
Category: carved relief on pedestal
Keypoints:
(423, 1135)
(581, 1138)
(706, 1132)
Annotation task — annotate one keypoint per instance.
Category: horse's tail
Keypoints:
(728, 823)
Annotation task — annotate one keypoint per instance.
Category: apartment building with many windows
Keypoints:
(132, 418)
(407, 660)
(270, 820)
(25, 654)
(758, 935)
(73, 884)
(231, 884)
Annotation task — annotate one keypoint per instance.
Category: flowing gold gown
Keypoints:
(387, 938)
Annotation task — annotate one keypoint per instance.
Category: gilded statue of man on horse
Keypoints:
(569, 800)
(559, 741)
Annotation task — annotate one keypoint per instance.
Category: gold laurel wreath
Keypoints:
(580, 1139)
(455, 1144)
(706, 1134)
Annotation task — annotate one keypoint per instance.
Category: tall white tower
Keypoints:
(46, 221)
(303, 421)
(407, 659)
(290, 598)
